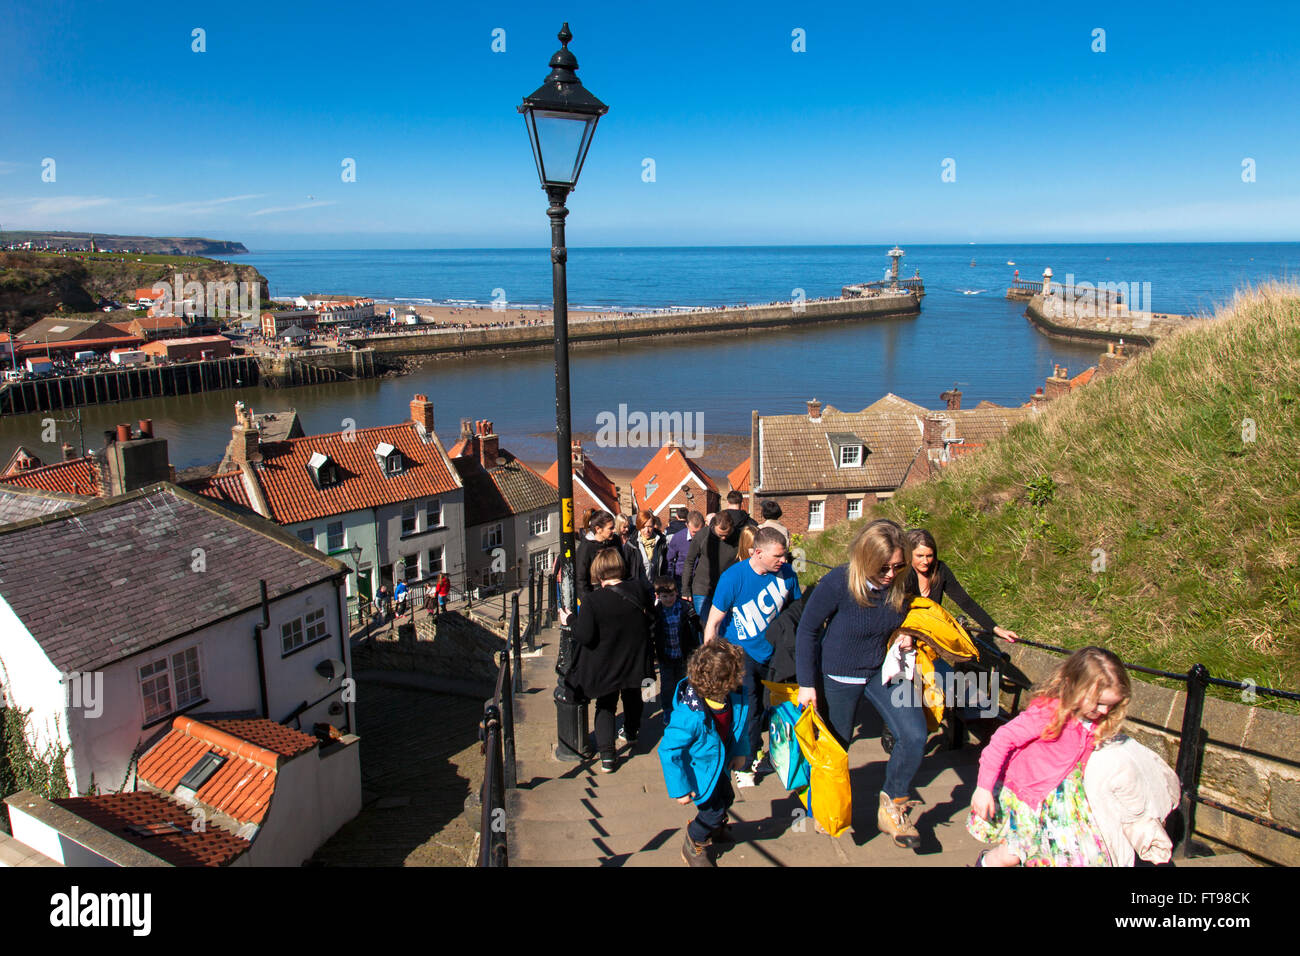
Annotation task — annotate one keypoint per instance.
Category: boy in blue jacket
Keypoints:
(703, 740)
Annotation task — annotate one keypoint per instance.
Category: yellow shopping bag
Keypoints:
(828, 797)
(782, 693)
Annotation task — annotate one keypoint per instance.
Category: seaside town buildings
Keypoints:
(592, 488)
(159, 603)
(827, 466)
(512, 516)
(671, 480)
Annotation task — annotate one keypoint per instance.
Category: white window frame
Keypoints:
(413, 518)
(816, 509)
(534, 565)
(540, 524)
(493, 537)
(343, 534)
(433, 513)
(856, 451)
(301, 631)
(167, 677)
(439, 566)
(851, 504)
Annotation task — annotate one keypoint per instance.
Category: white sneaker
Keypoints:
(744, 778)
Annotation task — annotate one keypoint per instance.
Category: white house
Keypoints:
(118, 615)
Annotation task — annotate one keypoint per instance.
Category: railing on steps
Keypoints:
(498, 728)
(1191, 737)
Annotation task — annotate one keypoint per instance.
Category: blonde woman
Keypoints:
(864, 602)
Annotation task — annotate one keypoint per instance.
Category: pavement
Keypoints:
(571, 814)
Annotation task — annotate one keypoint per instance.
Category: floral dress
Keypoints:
(1062, 832)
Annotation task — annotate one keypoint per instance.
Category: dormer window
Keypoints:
(848, 449)
(389, 459)
(324, 470)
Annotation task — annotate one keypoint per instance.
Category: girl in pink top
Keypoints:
(1030, 801)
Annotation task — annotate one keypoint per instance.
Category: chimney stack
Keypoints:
(953, 398)
(245, 443)
(488, 445)
(422, 415)
(123, 432)
(579, 459)
(815, 410)
(932, 434)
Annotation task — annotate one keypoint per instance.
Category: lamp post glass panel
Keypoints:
(561, 117)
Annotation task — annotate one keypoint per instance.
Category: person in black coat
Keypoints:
(647, 552)
(928, 577)
(711, 553)
(613, 634)
(599, 534)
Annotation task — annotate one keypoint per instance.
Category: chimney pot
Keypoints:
(815, 410)
(146, 427)
(123, 432)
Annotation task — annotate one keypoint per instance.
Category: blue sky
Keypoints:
(753, 143)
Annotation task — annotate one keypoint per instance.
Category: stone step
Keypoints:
(1222, 859)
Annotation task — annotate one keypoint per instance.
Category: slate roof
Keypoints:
(667, 471)
(19, 504)
(99, 582)
(502, 491)
(796, 454)
(179, 845)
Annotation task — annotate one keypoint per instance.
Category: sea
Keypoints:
(967, 334)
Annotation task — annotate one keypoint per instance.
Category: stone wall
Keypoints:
(646, 326)
(1251, 759)
(453, 647)
(1052, 318)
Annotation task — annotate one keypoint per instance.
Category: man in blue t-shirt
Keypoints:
(749, 596)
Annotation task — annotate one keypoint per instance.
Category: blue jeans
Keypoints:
(671, 673)
(698, 601)
(753, 689)
(902, 713)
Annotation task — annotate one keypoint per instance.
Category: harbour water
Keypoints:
(966, 333)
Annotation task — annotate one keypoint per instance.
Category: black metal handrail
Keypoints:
(498, 728)
(1191, 745)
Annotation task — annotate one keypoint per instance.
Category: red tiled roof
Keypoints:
(592, 489)
(243, 786)
(268, 735)
(72, 477)
(739, 477)
(1083, 378)
(668, 470)
(149, 294)
(291, 496)
(160, 322)
(77, 345)
(227, 486)
(115, 812)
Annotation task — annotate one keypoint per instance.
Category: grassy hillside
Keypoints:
(1156, 511)
(36, 284)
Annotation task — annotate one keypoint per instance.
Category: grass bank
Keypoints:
(1155, 511)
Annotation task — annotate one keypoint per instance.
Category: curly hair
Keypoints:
(716, 669)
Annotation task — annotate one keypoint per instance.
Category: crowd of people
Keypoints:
(708, 605)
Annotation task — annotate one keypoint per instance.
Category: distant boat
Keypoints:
(973, 291)
(1010, 263)
(972, 262)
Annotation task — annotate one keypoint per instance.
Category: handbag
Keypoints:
(650, 628)
(829, 797)
(783, 748)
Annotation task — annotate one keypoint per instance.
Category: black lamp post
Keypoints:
(561, 117)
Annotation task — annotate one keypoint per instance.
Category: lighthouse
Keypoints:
(895, 254)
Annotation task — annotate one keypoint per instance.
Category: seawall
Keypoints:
(1086, 322)
(628, 328)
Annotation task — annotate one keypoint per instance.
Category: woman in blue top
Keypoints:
(864, 602)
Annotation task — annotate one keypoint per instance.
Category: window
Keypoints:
(388, 458)
(324, 471)
(492, 537)
(303, 631)
(307, 536)
(815, 515)
(433, 514)
(411, 568)
(408, 518)
(170, 683)
(850, 456)
(539, 524)
(436, 560)
(334, 538)
(855, 509)
(539, 561)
